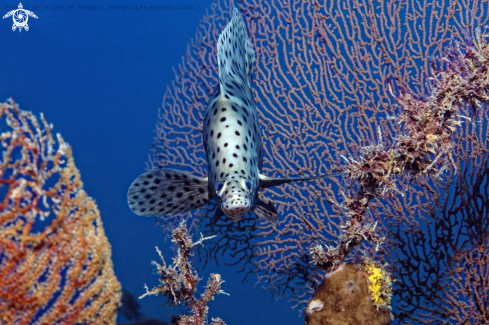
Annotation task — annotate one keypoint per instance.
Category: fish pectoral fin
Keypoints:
(167, 191)
(265, 209)
(266, 182)
(218, 215)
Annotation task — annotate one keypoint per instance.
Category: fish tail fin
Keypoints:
(266, 182)
(235, 54)
(167, 191)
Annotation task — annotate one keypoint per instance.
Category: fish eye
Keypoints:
(219, 186)
(248, 185)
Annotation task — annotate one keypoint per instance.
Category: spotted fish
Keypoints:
(232, 142)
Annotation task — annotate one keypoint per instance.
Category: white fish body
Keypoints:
(232, 142)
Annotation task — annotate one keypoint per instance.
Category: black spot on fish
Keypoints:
(217, 163)
(223, 109)
(143, 209)
(215, 112)
(249, 133)
(219, 135)
(147, 196)
(152, 201)
(163, 195)
(218, 149)
(244, 118)
(201, 190)
(222, 174)
(237, 133)
(245, 147)
(231, 165)
(226, 144)
(223, 119)
(244, 159)
(179, 194)
(146, 183)
(239, 122)
(142, 190)
(237, 147)
(235, 155)
(242, 171)
(186, 189)
(168, 176)
(150, 176)
(135, 197)
(224, 161)
(171, 188)
(212, 133)
(157, 181)
(234, 108)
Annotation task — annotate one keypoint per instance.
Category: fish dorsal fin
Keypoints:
(235, 54)
(265, 209)
(167, 191)
(250, 61)
(266, 182)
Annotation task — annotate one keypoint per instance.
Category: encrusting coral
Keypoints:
(349, 295)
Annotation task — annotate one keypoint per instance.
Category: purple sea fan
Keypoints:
(321, 89)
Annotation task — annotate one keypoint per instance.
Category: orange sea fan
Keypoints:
(55, 260)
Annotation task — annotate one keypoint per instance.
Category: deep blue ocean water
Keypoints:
(99, 75)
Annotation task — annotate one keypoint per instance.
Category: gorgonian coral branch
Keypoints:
(424, 148)
(178, 282)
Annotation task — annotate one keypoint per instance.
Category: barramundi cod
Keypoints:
(232, 143)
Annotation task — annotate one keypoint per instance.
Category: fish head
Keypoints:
(235, 197)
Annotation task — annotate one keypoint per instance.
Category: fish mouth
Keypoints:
(235, 206)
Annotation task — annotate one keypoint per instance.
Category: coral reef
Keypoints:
(55, 260)
(329, 78)
(179, 282)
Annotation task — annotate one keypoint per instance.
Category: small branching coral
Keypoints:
(179, 282)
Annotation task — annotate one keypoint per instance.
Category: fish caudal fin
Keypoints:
(235, 54)
(266, 182)
(266, 210)
(167, 191)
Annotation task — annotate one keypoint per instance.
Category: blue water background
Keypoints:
(99, 76)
